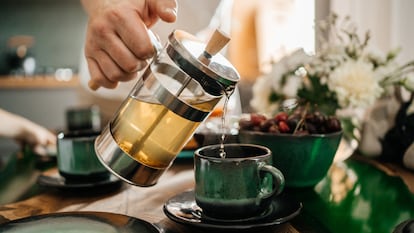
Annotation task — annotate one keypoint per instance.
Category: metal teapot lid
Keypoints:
(203, 62)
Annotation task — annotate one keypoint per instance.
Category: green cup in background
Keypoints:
(239, 186)
(76, 156)
(83, 118)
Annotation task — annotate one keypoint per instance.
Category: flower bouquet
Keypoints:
(343, 78)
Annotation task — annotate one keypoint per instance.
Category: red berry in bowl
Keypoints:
(281, 116)
(283, 127)
(257, 119)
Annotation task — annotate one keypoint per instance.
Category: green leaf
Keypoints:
(319, 96)
(275, 97)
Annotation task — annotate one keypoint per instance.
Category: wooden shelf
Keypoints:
(37, 82)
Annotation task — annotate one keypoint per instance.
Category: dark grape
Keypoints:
(297, 122)
(266, 124)
(293, 121)
(246, 124)
(274, 129)
(257, 119)
(333, 124)
(311, 128)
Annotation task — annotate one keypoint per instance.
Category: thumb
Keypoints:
(40, 150)
(166, 9)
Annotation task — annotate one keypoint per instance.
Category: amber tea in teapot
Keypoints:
(174, 95)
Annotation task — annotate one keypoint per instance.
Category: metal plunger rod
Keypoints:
(217, 41)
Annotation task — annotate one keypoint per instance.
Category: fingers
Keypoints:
(25, 131)
(37, 137)
(117, 46)
(110, 74)
(40, 150)
(165, 9)
(98, 79)
(117, 41)
(45, 143)
(107, 71)
(134, 36)
(121, 47)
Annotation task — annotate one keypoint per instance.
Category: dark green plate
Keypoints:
(183, 209)
(85, 222)
(55, 180)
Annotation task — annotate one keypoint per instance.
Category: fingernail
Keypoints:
(172, 12)
(93, 85)
(141, 65)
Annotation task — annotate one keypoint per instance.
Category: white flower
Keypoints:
(272, 82)
(409, 82)
(261, 91)
(291, 87)
(377, 56)
(342, 75)
(386, 70)
(355, 84)
(274, 79)
(297, 58)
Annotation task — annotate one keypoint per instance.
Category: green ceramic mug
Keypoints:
(76, 157)
(83, 118)
(239, 186)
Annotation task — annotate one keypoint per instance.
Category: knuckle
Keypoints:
(131, 67)
(128, 77)
(114, 76)
(107, 83)
(144, 51)
(100, 29)
(115, 14)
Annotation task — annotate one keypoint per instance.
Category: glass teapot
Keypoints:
(177, 91)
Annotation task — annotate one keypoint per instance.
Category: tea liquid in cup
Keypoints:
(241, 185)
(76, 157)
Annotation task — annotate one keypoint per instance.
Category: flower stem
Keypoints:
(302, 118)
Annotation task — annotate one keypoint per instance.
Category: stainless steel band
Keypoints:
(210, 85)
(172, 100)
(215, 78)
(122, 165)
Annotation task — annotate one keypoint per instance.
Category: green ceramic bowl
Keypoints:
(304, 160)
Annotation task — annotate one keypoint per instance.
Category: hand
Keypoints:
(117, 41)
(26, 132)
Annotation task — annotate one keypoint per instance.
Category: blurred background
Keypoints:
(56, 29)
(41, 45)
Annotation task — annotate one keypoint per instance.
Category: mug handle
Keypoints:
(278, 180)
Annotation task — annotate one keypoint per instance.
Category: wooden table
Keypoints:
(140, 202)
(355, 196)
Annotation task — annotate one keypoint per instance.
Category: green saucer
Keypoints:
(186, 154)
